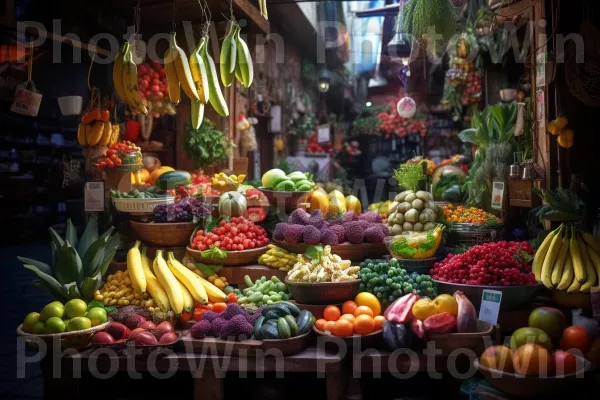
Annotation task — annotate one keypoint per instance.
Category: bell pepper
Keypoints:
(256, 214)
(132, 131)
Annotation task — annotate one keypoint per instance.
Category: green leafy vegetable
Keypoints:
(409, 176)
(206, 145)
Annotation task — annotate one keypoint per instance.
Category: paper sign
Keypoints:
(276, 118)
(497, 195)
(323, 134)
(490, 306)
(94, 196)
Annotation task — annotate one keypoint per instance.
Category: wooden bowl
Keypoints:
(476, 341)
(284, 201)
(168, 234)
(234, 258)
(346, 251)
(75, 340)
(361, 341)
(532, 386)
(323, 292)
(288, 347)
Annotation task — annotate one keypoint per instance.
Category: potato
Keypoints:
(404, 207)
(392, 216)
(393, 207)
(431, 205)
(410, 197)
(418, 204)
(399, 218)
(396, 229)
(430, 214)
(411, 215)
(429, 226)
(407, 226)
(418, 227)
(423, 218)
(400, 197)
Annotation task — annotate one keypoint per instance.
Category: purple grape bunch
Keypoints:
(189, 209)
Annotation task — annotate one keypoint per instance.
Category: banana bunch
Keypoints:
(125, 79)
(235, 59)
(226, 183)
(568, 259)
(98, 133)
(279, 258)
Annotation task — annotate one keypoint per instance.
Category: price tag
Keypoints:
(323, 134)
(94, 196)
(490, 306)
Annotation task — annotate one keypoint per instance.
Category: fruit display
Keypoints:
(568, 259)
(208, 272)
(381, 208)
(263, 291)
(234, 323)
(226, 183)
(151, 193)
(232, 204)
(118, 291)
(124, 153)
(236, 235)
(79, 262)
(125, 79)
(296, 181)
(282, 320)
(325, 267)
(313, 228)
(355, 318)
(388, 281)
(416, 245)
(412, 211)
(153, 87)
(491, 264)
(56, 317)
(95, 129)
(469, 215)
(188, 209)
(137, 330)
(279, 258)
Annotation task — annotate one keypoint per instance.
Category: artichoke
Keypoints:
(78, 264)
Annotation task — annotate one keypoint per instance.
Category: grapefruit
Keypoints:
(548, 319)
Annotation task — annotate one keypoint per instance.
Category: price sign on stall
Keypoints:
(94, 196)
(490, 306)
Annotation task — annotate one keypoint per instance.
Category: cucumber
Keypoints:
(305, 321)
(171, 179)
(255, 297)
(283, 329)
(276, 310)
(292, 324)
(294, 310)
(257, 325)
(269, 331)
(281, 287)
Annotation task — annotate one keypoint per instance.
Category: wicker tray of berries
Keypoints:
(123, 157)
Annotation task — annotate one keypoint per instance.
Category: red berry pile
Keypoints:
(491, 264)
(111, 159)
(237, 234)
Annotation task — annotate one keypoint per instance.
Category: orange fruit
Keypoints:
(575, 337)
(349, 307)
(349, 317)
(360, 310)
(320, 324)
(343, 327)
(379, 320)
(532, 359)
(329, 326)
(364, 324)
(331, 313)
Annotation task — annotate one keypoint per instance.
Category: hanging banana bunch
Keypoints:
(244, 69)
(228, 55)
(125, 79)
(179, 75)
(215, 96)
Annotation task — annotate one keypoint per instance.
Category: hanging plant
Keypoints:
(424, 17)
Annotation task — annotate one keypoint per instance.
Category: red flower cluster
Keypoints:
(393, 124)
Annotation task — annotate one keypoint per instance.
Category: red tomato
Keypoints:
(231, 298)
(185, 317)
(198, 313)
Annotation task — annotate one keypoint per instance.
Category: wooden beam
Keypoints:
(517, 8)
(253, 14)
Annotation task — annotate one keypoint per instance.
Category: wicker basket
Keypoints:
(233, 259)
(72, 340)
(142, 206)
(175, 234)
(467, 235)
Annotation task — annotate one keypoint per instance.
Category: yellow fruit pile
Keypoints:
(95, 129)
(118, 291)
(276, 257)
(226, 183)
(425, 308)
(558, 127)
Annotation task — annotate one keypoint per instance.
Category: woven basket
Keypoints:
(143, 206)
(73, 340)
(169, 234)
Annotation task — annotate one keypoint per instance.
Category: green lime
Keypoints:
(78, 324)
(29, 321)
(75, 308)
(55, 325)
(97, 315)
(54, 309)
(38, 328)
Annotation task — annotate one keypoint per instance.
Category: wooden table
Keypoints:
(208, 371)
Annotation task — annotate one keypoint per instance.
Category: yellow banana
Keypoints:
(589, 269)
(95, 133)
(188, 300)
(81, 134)
(595, 259)
(197, 111)
(136, 271)
(550, 258)
(244, 61)
(227, 58)
(540, 255)
(590, 240)
(198, 70)
(130, 83)
(215, 95)
(578, 267)
(182, 66)
(168, 282)
(215, 295)
(115, 134)
(567, 275)
(559, 264)
(188, 278)
(173, 85)
(118, 73)
(106, 134)
(161, 299)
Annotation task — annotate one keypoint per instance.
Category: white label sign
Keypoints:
(323, 134)
(94, 196)
(490, 306)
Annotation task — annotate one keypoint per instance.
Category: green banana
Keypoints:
(227, 58)
(197, 113)
(199, 72)
(215, 95)
(244, 61)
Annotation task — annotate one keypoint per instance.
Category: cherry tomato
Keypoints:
(231, 298)
(185, 316)
(102, 164)
(110, 163)
(118, 162)
(198, 313)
